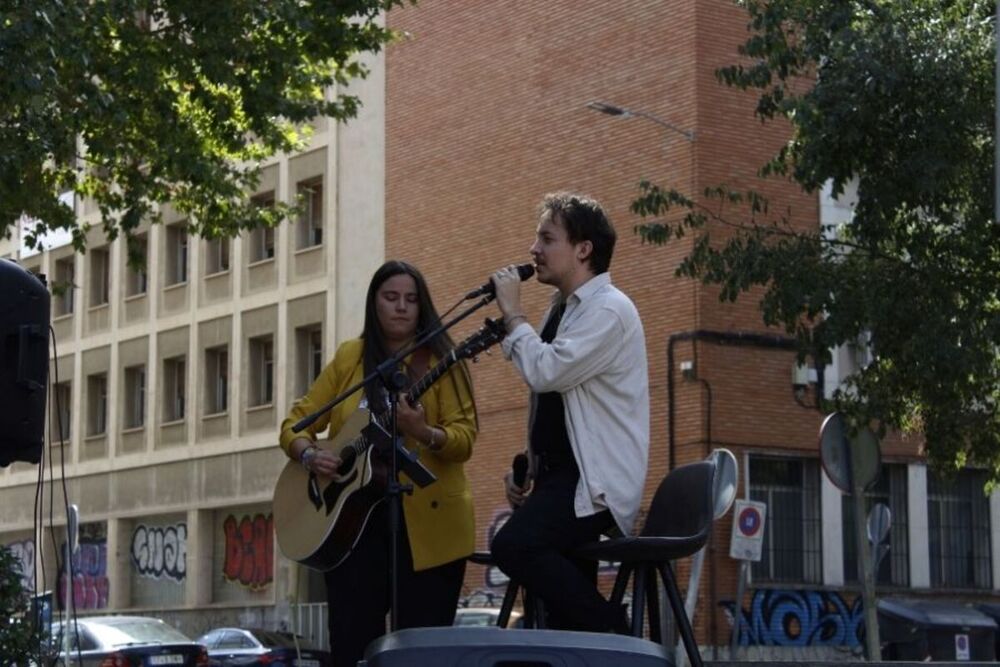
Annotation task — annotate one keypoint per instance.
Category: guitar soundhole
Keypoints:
(347, 458)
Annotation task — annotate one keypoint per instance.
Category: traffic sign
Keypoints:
(747, 539)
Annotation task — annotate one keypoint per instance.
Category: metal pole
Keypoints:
(69, 604)
(872, 643)
(741, 578)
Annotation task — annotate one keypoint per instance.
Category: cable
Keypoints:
(69, 605)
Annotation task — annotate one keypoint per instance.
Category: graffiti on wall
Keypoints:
(800, 618)
(249, 550)
(90, 573)
(160, 552)
(24, 553)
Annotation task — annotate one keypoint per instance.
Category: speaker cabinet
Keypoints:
(24, 363)
(496, 647)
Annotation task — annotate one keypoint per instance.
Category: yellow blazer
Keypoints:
(439, 518)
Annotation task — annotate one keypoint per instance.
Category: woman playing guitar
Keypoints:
(437, 531)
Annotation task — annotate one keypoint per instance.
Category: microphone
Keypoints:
(520, 468)
(525, 271)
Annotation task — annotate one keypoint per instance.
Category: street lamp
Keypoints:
(612, 110)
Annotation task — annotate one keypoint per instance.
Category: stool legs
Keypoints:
(683, 624)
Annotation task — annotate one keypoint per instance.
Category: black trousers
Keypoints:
(359, 594)
(532, 548)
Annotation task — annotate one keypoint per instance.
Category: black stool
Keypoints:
(678, 525)
(534, 609)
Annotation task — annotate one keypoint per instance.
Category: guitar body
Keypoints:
(320, 529)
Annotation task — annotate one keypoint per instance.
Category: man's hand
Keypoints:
(516, 495)
(507, 282)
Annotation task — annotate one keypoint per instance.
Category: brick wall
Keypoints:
(486, 113)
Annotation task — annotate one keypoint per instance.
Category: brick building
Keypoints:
(486, 111)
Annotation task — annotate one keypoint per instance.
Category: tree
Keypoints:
(20, 639)
(895, 96)
(135, 103)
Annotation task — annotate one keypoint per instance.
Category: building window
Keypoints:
(97, 404)
(135, 396)
(792, 549)
(261, 371)
(309, 357)
(177, 254)
(65, 285)
(890, 490)
(136, 279)
(216, 256)
(262, 238)
(958, 519)
(100, 277)
(217, 378)
(310, 224)
(64, 410)
(174, 377)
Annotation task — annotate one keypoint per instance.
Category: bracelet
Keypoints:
(432, 445)
(307, 455)
(507, 321)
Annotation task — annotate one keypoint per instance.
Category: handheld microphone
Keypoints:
(525, 271)
(520, 468)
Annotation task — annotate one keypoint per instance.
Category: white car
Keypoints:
(122, 641)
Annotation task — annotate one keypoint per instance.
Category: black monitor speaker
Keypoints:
(24, 363)
(496, 647)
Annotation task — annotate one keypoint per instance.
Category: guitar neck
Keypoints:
(419, 388)
(432, 376)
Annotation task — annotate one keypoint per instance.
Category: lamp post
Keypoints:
(613, 110)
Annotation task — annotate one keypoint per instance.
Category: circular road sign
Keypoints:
(749, 521)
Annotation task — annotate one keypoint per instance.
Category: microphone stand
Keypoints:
(394, 381)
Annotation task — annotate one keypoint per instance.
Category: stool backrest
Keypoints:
(683, 504)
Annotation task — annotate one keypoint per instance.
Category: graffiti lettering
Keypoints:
(800, 618)
(24, 552)
(90, 575)
(160, 551)
(249, 550)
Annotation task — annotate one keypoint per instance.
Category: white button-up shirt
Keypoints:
(597, 361)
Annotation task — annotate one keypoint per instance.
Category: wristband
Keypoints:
(508, 321)
(432, 444)
(307, 455)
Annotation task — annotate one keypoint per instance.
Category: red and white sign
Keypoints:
(747, 537)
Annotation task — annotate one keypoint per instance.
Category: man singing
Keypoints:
(589, 423)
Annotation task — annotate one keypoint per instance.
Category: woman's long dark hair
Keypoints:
(375, 348)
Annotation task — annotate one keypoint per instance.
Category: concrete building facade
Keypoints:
(171, 382)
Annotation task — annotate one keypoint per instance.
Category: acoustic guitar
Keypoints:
(319, 519)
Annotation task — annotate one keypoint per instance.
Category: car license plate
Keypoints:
(307, 663)
(166, 660)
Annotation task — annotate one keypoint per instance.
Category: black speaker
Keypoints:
(496, 647)
(24, 363)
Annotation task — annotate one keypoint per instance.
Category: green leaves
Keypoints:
(136, 103)
(892, 99)
(20, 640)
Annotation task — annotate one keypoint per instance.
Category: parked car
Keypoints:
(240, 647)
(470, 617)
(124, 641)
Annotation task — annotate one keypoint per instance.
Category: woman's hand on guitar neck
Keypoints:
(411, 420)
